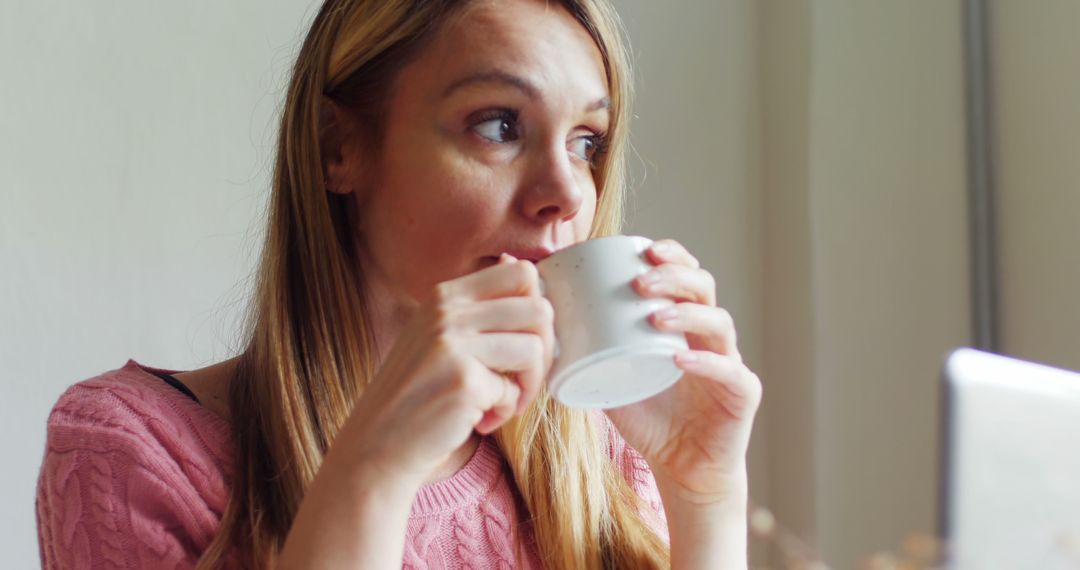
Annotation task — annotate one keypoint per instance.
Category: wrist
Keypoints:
(365, 476)
(349, 517)
(727, 515)
(707, 530)
(708, 536)
(362, 462)
(726, 492)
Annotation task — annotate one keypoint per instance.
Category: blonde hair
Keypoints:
(310, 346)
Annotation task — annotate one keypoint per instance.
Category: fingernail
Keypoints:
(666, 315)
(507, 258)
(649, 278)
(686, 357)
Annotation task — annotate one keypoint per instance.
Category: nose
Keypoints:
(552, 193)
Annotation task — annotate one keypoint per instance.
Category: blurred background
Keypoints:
(814, 155)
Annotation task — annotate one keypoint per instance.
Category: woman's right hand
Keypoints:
(473, 355)
(443, 378)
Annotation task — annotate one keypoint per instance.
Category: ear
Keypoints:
(338, 138)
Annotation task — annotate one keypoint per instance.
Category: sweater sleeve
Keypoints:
(110, 496)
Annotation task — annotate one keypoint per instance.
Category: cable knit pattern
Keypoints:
(136, 475)
(636, 470)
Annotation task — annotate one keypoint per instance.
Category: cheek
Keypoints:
(447, 197)
(582, 223)
(431, 218)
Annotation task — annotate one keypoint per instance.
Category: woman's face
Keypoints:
(488, 147)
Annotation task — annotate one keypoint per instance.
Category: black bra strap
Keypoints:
(168, 378)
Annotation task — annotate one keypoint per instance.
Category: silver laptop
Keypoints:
(1010, 492)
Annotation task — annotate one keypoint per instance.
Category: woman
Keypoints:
(388, 409)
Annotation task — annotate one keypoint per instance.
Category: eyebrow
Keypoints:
(520, 83)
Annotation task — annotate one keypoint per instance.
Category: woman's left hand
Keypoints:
(695, 434)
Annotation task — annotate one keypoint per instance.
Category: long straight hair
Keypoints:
(309, 343)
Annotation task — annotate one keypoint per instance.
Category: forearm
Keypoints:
(706, 534)
(355, 523)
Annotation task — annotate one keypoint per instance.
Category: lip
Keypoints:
(533, 254)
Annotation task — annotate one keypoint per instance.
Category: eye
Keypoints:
(500, 126)
(587, 147)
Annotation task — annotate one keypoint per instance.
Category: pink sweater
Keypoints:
(136, 475)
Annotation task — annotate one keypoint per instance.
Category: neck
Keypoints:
(389, 311)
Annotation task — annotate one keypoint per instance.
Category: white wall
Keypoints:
(890, 281)
(697, 137)
(866, 263)
(1037, 121)
(134, 143)
(788, 312)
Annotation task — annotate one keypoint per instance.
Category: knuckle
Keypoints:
(534, 345)
(690, 258)
(526, 273)
(441, 344)
(471, 390)
(756, 387)
(448, 346)
(513, 391)
(732, 369)
(443, 293)
(466, 383)
(710, 281)
(544, 309)
(726, 320)
(442, 315)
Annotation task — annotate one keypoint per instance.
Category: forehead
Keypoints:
(535, 39)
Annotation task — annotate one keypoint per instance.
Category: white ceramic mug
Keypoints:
(607, 353)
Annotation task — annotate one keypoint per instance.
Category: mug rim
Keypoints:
(586, 242)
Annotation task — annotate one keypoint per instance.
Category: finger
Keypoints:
(741, 388)
(504, 279)
(677, 282)
(506, 393)
(510, 314)
(707, 328)
(504, 351)
(671, 251)
(542, 313)
(521, 354)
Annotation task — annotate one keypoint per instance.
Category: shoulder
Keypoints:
(133, 475)
(130, 413)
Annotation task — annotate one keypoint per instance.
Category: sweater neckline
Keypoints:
(468, 485)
